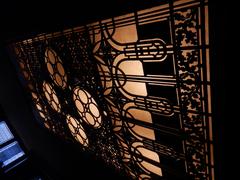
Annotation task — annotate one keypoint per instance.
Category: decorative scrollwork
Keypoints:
(133, 89)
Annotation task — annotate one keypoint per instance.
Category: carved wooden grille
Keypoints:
(133, 89)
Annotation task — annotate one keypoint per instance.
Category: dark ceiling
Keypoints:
(19, 18)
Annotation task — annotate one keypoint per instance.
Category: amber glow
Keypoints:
(55, 68)
(87, 107)
(126, 34)
(51, 96)
(77, 130)
(41, 110)
(125, 70)
(138, 146)
(134, 89)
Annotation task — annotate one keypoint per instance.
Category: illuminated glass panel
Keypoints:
(51, 96)
(77, 130)
(55, 68)
(136, 86)
(87, 107)
(42, 111)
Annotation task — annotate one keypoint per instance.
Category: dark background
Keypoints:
(19, 19)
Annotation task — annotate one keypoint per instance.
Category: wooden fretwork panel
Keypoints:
(133, 89)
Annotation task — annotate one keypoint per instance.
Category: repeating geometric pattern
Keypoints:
(134, 89)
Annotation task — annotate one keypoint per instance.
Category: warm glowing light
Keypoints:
(139, 88)
(87, 107)
(55, 68)
(51, 96)
(42, 111)
(125, 71)
(77, 130)
(146, 153)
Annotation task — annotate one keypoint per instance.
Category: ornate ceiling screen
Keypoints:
(133, 89)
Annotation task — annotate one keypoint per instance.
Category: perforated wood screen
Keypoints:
(133, 89)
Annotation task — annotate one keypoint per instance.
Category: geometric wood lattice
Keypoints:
(134, 89)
